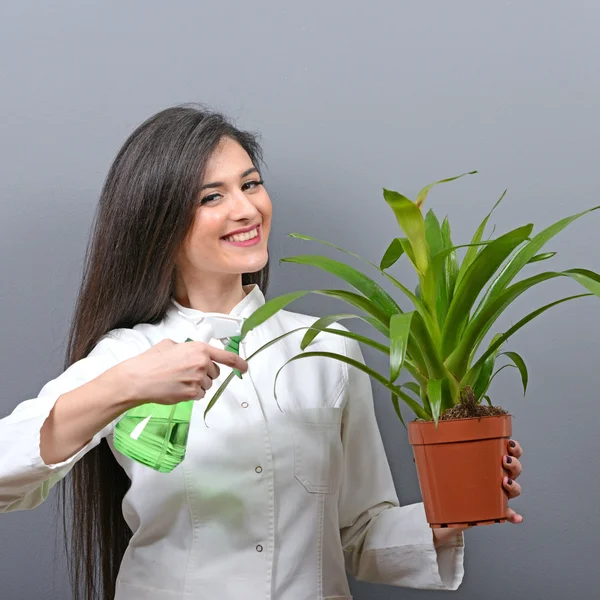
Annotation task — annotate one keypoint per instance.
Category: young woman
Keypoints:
(269, 503)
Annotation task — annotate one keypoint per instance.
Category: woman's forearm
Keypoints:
(80, 414)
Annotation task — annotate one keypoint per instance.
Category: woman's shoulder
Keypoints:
(122, 342)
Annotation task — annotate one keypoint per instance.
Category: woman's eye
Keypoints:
(210, 198)
(250, 185)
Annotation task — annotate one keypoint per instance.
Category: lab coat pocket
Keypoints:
(317, 448)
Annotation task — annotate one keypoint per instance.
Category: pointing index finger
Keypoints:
(230, 359)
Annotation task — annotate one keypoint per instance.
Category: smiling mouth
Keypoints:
(240, 238)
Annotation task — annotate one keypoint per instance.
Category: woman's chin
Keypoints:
(254, 265)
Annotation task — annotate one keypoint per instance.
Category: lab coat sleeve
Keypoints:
(25, 479)
(384, 542)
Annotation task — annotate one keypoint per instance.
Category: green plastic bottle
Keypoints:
(156, 435)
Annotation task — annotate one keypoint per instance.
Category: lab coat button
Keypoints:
(244, 405)
(258, 469)
(259, 548)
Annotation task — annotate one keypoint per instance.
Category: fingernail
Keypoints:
(512, 443)
(509, 482)
(508, 459)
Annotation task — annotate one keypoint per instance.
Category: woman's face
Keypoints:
(232, 202)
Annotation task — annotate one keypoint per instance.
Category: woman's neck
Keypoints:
(215, 298)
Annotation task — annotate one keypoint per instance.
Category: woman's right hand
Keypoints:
(172, 372)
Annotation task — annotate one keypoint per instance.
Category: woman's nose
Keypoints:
(242, 207)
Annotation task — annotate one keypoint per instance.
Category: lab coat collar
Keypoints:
(253, 299)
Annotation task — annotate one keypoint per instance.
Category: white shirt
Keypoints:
(270, 503)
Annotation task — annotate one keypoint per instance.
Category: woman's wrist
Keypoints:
(120, 381)
(446, 536)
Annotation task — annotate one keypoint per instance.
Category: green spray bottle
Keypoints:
(156, 435)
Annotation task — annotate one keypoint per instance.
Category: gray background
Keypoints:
(349, 97)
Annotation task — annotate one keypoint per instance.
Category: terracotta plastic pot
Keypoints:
(460, 470)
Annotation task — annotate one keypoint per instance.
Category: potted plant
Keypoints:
(440, 343)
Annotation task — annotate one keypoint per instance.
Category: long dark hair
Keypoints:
(144, 212)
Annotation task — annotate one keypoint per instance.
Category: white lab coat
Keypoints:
(270, 502)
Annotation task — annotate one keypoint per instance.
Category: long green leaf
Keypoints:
(267, 310)
(418, 304)
(496, 373)
(467, 379)
(411, 221)
(495, 306)
(414, 406)
(408, 250)
(482, 381)
(435, 290)
(396, 406)
(478, 274)
(422, 195)
(365, 285)
(450, 270)
(433, 233)
(392, 254)
(324, 322)
(415, 388)
(528, 251)
(399, 334)
(541, 256)
(472, 251)
(409, 365)
(430, 351)
(434, 391)
(520, 364)
(340, 332)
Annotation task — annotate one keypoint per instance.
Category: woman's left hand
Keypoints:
(513, 467)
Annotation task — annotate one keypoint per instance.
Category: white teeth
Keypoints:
(243, 237)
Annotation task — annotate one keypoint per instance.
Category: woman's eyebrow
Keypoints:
(216, 184)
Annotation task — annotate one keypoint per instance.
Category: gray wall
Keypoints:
(349, 97)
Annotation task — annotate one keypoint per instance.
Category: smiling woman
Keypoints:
(229, 233)
(272, 501)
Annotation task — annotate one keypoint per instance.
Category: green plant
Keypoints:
(457, 301)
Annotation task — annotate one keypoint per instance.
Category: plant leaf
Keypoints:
(396, 406)
(434, 391)
(472, 251)
(408, 250)
(422, 195)
(324, 322)
(269, 308)
(435, 282)
(433, 233)
(411, 221)
(340, 332)
(399, 334)
(541, 256)
(467, 379)
(498, 371)
(413, 405)
(520, 364)
(414, 387)
(485, 317)
(484, 266)
(419, 305)
(365, 285)
(392, 254)
(525, 254)
(485, 374)
(450, 269)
